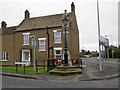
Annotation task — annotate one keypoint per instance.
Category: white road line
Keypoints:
(114, 62)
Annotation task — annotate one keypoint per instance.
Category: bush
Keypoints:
(117, 53)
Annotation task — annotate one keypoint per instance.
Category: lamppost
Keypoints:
(100, 58)
(65, 20)
(33, 43)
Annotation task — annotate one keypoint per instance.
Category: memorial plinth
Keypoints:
(65, 70)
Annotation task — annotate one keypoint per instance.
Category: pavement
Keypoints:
(90, 72)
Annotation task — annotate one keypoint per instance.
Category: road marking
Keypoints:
(114, 62)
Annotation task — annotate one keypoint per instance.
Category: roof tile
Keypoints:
(41, 22)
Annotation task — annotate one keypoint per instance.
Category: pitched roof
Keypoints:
(41, 22)
(8, 30)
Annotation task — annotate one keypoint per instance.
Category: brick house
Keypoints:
(16, 41)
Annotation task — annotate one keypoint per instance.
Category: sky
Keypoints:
(12, 12)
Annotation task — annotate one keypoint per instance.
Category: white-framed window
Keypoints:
(26, 38)
(57, 36)
(42, 44)
(58, 53)
(25, 55)
(4, 56)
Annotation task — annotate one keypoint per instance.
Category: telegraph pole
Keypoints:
(99, 37)
(33, 42)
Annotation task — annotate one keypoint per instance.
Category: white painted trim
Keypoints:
(26, 33)
(4, 60)
(44, 43)
(59, 37)
(24, 38)
(23, 52)
(58, 42)
(20, 63)
(54, 30)
(41, 38)
(59, 48)
(26, 44)
(41, 50)
(4, 55)
(58, 30)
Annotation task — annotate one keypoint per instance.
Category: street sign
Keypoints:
(20, 63)
(33, 42)
(103, 41)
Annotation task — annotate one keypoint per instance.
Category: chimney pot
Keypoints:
(3, 25)
(27, 14)
(72, 7)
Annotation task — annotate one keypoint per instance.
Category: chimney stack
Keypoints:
(72, 7)
(27, 14)
(3, 25)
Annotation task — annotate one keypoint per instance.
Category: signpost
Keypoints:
(99, 36)
(33, 42)
(20, 63)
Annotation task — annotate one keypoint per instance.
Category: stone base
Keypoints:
(66, 70)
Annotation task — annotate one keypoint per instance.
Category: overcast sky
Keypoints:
(12, 11)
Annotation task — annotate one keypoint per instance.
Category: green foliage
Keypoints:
(117, 53)
(28, 70)
(88, 52)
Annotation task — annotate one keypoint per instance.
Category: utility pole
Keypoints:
(99, 37)
(48, 36)
(33, 42)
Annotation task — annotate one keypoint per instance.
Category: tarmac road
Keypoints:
(13, 82)
(73, 81)
(110, 67)
(105, 62)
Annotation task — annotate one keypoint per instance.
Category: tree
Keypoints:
(117, 53)
(110, 51)
(88, 52)
(83, 52)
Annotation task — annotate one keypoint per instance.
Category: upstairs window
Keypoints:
(57, 36)
(42, 44)
(4, 56)
(26, 38)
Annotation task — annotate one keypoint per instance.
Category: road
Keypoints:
(105, 62)
(13, 82)
(110, 67)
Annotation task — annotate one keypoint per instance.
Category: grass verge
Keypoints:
(114, 58)
(28, 70)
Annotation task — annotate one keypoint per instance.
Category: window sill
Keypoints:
(26, 44)
(25, 60)
(4, 60)
(57, 42)
(41, 50)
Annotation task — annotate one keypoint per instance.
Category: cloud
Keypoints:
(13, 13)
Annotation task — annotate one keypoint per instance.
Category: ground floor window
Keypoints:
(25, 55)
(4, 56)
(58, 53)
